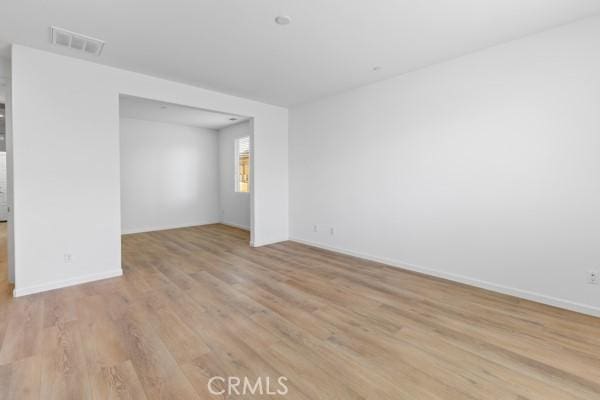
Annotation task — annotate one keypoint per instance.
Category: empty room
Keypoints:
(182, 167)
(385, 200)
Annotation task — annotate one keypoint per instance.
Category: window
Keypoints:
(242, 165)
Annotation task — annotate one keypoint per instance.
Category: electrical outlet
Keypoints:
(68, 258)
(315, 228)
(331, 231)
(593, 277)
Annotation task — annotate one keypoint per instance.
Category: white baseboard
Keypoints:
(17, 292)
(128, 231)
(511, 291)
(232, 224)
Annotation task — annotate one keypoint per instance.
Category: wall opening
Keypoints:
(5, 273)
(178, 165)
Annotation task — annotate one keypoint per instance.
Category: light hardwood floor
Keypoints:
(198, 302)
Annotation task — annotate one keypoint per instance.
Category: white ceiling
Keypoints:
(152, 110)
(331, 45)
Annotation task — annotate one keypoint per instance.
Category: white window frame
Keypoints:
(236, 157)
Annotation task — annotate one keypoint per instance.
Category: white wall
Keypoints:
(485, 169)
(235, 206)
(169, 176)
(66, 164)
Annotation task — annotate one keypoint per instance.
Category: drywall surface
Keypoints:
(67, 216)
(485, 169)
(235, 206)
(169, 176)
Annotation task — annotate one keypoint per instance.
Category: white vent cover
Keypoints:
(76, 41)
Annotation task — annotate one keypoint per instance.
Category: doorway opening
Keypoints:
(183, 167)
(5, 279)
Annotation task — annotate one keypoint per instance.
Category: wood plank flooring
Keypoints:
(198, 302)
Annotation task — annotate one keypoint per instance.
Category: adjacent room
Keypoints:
(182, 166)
(4, 273)
(6, 277)
(307, 200)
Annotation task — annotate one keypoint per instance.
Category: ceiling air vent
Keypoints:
(76, 41)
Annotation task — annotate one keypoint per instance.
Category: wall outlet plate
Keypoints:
(594, 277)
